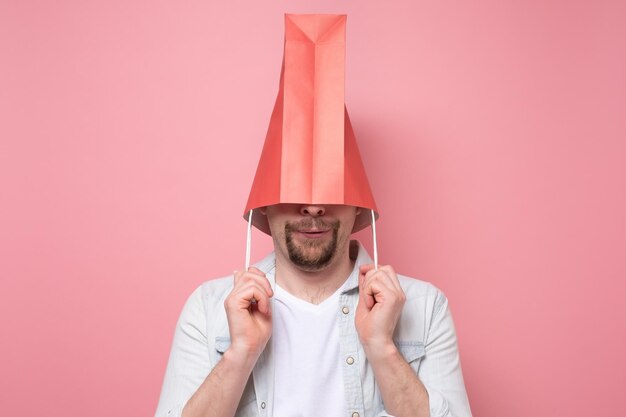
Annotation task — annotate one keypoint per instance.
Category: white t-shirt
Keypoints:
(308, 380)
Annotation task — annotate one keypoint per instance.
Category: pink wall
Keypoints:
(494, 137)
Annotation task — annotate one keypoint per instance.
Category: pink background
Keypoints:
(493, 133)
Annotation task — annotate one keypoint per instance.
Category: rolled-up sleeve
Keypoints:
(440, 369)
(189, 363)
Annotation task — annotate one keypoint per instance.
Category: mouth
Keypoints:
(313, 233)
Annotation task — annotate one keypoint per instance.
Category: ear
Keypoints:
(263, 210)
(358, 211)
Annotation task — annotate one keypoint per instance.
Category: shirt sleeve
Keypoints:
(189, 363)
(440, 369)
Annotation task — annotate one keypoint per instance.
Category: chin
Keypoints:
(312, 263)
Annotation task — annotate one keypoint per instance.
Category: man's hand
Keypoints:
(248, 310)
(380, 304)
(381, 299)
(250, 323)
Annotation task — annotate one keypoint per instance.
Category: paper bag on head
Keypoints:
(310, 154)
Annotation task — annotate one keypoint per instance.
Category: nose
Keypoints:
(312, 210)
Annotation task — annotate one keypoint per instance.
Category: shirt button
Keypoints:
(350, 361)
(355, 414)
(345, 310)
(263, 405)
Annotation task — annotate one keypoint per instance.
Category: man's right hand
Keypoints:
(249, 314)
(248, 311)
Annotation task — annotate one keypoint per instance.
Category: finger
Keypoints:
(392, 274)
(381, 286)
(259, 279)
(373, 274)
(256, 270)
(236, 276)
(367, 271)
(377, 289)
(367, 279)
(380, 274)
(366, 268)
(248, 296)
(365, 299)
(253, 270)
(251, 294)
(380, 282)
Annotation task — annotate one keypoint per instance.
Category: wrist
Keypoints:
(380, 350)
(242, 358)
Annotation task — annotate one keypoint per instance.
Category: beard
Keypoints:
(312, 254)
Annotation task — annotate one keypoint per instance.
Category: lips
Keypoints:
(313, 233)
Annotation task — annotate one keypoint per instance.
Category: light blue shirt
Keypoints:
(424, 335)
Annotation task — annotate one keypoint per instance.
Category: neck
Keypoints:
(314, 286)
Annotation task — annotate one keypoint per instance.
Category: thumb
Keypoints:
(365, 303)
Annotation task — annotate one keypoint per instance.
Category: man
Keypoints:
(316, 328)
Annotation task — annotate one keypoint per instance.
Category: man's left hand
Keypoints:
(381, 299)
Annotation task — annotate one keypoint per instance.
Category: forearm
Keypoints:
(221, 391)
(403, 393)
